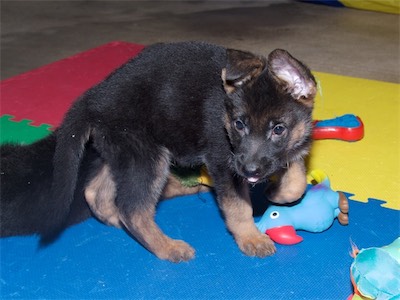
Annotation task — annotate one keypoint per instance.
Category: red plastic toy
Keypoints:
(347, 128)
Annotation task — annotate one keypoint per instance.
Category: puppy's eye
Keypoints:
(279, 129)
(239, 125)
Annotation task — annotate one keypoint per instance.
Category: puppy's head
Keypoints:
(268, 111)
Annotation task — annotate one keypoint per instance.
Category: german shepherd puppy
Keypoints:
(246, 117)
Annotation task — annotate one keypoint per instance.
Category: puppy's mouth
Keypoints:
(256, 177)
(253, 180)
(251, 175)
(253, 172)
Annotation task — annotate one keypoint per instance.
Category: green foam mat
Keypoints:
(21, 131)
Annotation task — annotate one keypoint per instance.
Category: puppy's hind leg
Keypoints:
(101, 191)
(139, 189)
(175, 187)
(100, 194)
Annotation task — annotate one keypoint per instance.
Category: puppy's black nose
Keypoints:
(251, 170)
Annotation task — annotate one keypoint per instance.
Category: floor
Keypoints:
(335, 40)
(94, 261)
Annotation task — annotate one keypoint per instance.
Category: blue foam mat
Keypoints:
(94, 261)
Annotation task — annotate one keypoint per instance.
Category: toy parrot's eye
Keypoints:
(274, 215)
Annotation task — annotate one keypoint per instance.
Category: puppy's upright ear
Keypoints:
(241, 69)
(293, 76)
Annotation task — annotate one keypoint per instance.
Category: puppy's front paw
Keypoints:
(256, 245)
(176, 251)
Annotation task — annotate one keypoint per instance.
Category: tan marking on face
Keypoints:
(100, 194)
(298, 133)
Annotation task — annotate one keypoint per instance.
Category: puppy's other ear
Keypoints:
(293, 76)
(241, 69)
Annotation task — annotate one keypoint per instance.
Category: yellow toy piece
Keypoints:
(205, 178)
(316, 175)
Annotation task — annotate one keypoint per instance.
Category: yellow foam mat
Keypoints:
(388, 6)
(369, 168)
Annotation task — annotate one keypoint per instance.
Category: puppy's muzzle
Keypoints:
(252, 170)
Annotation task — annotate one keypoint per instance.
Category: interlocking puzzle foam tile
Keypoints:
(386, 6)
(369, 168)
(22, 131)
(93, 261)
(45, 94)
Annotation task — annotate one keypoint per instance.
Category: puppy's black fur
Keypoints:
(26, 175)
(246, 117)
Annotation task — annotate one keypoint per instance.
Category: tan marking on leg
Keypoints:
(292, 184)
(146, 231)
(161, 175)
(141, 224)
(175, 188)
(100, 194)
(238, 214)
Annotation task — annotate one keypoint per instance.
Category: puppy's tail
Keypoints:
(71, 137)
(25, 189)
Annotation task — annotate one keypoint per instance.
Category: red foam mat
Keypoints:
(44, 95)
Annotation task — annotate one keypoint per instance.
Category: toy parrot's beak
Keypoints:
(285, 235)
